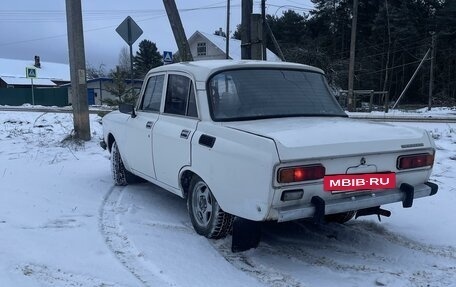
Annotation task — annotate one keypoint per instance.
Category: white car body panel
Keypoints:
(143, 162)
(239, 170)
(177, 154)
(242, 164)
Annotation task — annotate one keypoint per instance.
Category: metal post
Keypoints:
(351, 68)
(131, 69)
(228, 29)
(33, 93)
(131, 54)
(77, 69)
(101, 91)
(371, 100)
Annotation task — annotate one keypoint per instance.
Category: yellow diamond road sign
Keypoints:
(30, 72)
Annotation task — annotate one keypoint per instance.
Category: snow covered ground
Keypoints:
(63, 223)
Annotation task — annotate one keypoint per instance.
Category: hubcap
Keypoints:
(202, 204)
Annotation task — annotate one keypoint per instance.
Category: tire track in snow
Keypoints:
(366, 229)
(326, 246)
(51, 276)
(123, 249)
(121, 246)
(241, 261)
(442, 251)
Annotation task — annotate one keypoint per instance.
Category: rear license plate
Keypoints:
(354, 182)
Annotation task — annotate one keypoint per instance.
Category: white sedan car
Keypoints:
(262, 141)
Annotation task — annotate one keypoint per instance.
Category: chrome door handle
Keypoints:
(149, 125)
(184, 134)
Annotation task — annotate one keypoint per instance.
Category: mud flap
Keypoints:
(319, 215)
(409, 191)
(434, 187)
(246, 234)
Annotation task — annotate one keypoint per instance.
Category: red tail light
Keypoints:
(300, 173)
(415, 161)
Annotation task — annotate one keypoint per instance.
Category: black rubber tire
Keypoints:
(340, 217)
(210, 222)
(120, 174)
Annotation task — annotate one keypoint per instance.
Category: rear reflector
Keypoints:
(294, 194)
(301, 173)
(415, 161)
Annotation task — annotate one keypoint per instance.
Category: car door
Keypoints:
(139, 133)
(174, 130)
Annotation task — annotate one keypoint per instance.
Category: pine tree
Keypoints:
(146, 58)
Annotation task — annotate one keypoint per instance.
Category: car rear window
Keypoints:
(267, 93)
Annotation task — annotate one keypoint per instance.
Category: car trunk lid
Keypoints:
(323, 137)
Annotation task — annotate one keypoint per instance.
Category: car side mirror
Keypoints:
(127, 109)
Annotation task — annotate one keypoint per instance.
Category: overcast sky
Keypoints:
(30, 27)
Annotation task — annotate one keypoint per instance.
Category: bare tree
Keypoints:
(95, 72)
(124, 60)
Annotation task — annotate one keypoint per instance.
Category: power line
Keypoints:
(381, 45)
(91, 15)
(390, 68)
(288, 6)
(295, 2)
(395, 51)
(163, 14)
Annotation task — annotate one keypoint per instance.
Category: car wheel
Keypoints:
(207, 217)
(120, 174)
(340, 217)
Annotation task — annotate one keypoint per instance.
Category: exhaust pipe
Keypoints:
(373, 211)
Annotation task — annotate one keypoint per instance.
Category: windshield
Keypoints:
(267, 93)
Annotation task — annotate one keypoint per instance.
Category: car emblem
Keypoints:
(362, 161)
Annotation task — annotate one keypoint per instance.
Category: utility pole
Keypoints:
(256, 33)
(351, 68)
(227, 29)
(178, 30)
(77, 70)
(247, 8)
(385, 83)
(431, 76)
(264, 30)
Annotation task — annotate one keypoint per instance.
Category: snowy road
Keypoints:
(63, 223)
(361, 253)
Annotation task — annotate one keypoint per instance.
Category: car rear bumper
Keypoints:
(406, 194)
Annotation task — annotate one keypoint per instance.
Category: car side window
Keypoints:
(180, 96)
(153, 94)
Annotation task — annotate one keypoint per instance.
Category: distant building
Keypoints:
(97, 90)
(12, 73)
(204, 46)
(15, 87)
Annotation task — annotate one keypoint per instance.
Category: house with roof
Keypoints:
(12, 73)
(205, 46)
(16, 89)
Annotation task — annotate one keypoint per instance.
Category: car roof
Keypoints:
(202, 70)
